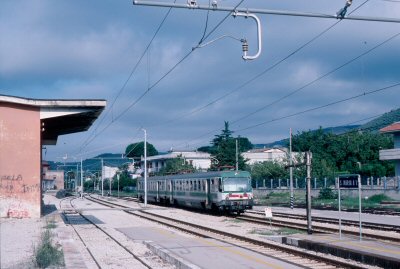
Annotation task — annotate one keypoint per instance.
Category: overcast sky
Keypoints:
(63, 49)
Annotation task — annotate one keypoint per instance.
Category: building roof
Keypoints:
(175, 154)
(61, 116)
(393, 128)
(265, 150)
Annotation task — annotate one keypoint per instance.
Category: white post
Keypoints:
(145, 167)
(118, 183)
(81, 179)
(237, 156)
(359, 201)
(291, 170)
(102, 177)
(340, 217)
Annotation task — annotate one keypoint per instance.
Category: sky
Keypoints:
(154, 79)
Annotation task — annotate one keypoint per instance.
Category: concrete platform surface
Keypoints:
(384, 254)
(204, 252)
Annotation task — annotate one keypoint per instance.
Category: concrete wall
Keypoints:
(20, 161)
(366, 192)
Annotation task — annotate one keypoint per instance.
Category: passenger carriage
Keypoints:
(229, 191)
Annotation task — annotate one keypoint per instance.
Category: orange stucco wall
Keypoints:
(20, 161)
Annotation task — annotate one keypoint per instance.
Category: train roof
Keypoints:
(204, 175)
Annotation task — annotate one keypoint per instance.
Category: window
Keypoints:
(236, 184)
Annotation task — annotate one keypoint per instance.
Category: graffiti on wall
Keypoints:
(13, 186)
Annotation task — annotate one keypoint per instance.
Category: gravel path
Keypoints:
(18, 238)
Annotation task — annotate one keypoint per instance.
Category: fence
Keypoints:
(378, 183)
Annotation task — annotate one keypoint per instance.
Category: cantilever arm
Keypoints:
(246, 15)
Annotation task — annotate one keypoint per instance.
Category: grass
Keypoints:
(279, 231)
(46, 254)
(352, 202)
(280, 198)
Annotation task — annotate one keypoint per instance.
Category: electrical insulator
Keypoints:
(245, 46)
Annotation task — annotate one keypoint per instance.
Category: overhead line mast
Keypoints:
(215, 7)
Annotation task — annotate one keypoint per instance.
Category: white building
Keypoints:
(109, 172)
(267, 155)
(199, 160)
(392, 154)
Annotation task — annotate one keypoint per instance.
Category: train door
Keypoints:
(158, 190)
(208, 193)
(171, 189)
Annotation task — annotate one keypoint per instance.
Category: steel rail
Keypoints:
(316, 228)
(271, 245)
(110, 236)
(366, 224)
(264, 11)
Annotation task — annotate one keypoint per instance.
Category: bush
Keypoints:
(327, 193)
(46, 254)
(378, 198)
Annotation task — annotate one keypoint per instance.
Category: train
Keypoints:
(222, 191)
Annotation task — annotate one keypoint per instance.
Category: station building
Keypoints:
(392, 154)
(26, 125)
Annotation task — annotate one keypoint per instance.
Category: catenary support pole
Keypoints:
(308, 164)
(291, 171)
(145, 168)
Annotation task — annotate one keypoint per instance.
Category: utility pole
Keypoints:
(308, 165)
(145, 167)
(291, 170)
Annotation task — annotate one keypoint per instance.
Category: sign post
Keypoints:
(268, 215)
(351, 182)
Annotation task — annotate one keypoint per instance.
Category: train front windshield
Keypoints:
(236, 184)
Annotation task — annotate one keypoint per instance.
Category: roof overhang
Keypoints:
(393, 128)
(60, 117)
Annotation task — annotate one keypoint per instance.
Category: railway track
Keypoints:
(91, 234)
(367, 225)
(272, 249)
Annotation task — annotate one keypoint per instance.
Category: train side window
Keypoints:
(219, 185)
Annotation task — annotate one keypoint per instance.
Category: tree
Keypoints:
(353, 152)
(136, 150)
(177, 165)
(223, 149)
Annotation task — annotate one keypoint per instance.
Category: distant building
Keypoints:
(109, 172)
(199, 160)
(267, 155)
(392, 154)
(51, 179)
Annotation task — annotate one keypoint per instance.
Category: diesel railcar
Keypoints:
(228, 191)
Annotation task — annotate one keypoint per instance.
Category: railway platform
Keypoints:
(373, 252)
(196, 253)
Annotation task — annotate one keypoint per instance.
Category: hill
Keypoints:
(382, 121)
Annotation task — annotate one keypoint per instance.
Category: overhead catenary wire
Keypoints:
(306, 85)
(130, 75)
(267, 11)
(160, 79)
(320, 107)
(310, 110)
(259, 75)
